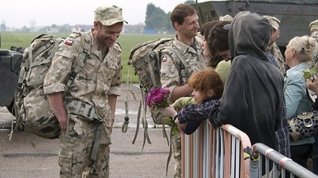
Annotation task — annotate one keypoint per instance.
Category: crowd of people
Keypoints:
(262, 88)
(234, 73)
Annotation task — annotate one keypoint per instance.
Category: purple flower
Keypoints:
(158, 97)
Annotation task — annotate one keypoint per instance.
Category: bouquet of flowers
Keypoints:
(158, 97)
(309, 73)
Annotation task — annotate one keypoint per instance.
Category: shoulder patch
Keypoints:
(68, 42)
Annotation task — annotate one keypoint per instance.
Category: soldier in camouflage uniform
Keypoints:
(279, 60)
(174, 75)
(85, 110)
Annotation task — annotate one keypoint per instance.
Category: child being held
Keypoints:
(207, 85)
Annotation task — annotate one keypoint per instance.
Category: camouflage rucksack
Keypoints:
(32, 108)
(146, 60)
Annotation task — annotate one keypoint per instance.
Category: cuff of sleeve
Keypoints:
(55, 88)
(114, 91)
(171, 88)
(175, 117)
(180, 119)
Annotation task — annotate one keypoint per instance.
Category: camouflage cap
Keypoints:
(109, 15)
(313, 25)
(273, 21)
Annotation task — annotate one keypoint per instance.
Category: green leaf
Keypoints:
(307, 74)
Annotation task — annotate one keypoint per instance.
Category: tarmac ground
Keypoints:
(30, 156)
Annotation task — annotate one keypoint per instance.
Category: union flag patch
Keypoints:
(68, 42)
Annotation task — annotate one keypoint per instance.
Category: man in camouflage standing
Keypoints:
(85, 106)
(174, 74)
(279, 60)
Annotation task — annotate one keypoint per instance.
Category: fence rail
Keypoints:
(215, 153)
(220, 153)
(286, 165)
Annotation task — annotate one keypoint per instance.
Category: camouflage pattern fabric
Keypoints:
(170, 77)
(169, 73)
(274, 49)
(145, 58)
(76, 146)
(33, 111)
(176, 138)
(176, 145)
(314, 34)
(98, 78)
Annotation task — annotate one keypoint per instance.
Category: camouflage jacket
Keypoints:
(170, 76)
(278, 57)
(96, 79)
(314, 34)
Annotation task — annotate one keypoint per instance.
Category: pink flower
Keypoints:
(158, 97)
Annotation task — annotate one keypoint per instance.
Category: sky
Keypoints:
(17, 13)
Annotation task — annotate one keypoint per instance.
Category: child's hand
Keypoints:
(180, 126)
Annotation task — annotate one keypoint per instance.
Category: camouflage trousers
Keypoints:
(176, 145)
(75, 150)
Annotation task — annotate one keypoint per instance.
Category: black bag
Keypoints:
(303, 125)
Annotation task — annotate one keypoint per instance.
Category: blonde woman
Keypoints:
(299, 55)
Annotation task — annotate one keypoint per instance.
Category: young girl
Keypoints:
(207, 85)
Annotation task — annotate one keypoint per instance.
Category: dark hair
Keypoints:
(217, 39)
(180, 12)
(206, 27)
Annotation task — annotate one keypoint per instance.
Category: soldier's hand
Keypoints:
(63, 124)
(312, 84)
(168, 111)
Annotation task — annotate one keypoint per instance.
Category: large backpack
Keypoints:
(146, 60)
(32, 108)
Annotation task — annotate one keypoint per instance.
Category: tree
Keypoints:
(3, 27)
(25, 29)
(156, 19)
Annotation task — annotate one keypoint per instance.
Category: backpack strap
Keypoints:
(50, 44)
(42, 48)
(179, 62)
(81, 58)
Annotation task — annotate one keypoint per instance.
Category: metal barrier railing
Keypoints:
(220, 153)
(282, 166)
(215, 153)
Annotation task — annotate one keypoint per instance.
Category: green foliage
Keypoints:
(157, 19)
(311, 72)
(20, 39)
(127, 41)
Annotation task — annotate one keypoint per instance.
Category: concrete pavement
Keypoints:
(29, 156)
